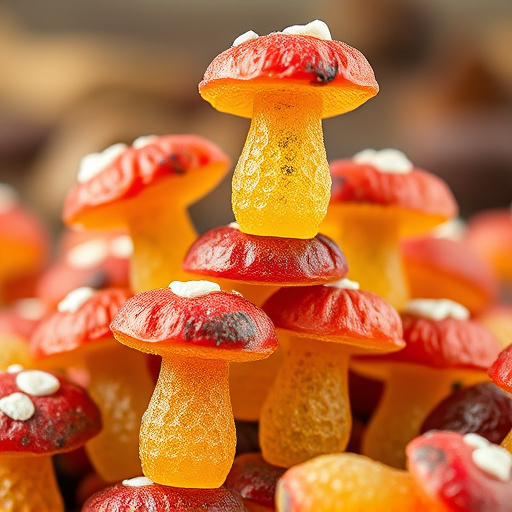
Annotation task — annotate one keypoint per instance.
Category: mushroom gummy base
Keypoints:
(281, 185)
(28, 484)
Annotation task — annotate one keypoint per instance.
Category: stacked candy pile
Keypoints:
(106, 317)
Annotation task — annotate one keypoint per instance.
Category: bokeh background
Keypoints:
(77, 76)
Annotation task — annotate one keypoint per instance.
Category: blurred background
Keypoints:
(78, 76)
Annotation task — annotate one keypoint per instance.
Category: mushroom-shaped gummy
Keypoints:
(378, 197)
(255, 480)
(187, 437)
(255, 266)
(98, 262)
(501, 374)
(438, 267)
(42, 415)
(307, 410)
(461, 473)
(347, 482)
(77, 334)
(146, 189)
(23, 239)
(143, 495)
(482, 409)
(287, 82)
(443, 348)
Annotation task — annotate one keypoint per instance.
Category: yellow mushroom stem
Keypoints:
(187, 437)
(410, 393)
(27, 483)
(307, 411)
(161, 235)
(281, 184)
(121, 385)
(371, 244)
(507, 442)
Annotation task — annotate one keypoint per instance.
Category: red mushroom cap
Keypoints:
(439, 265)
(62, 420)
(136, 169)
(154, 497)
(296, 61)
(217, 325)
(402, 194)
(254, 478)
(227, 252)
(447, 343)
(500, 370)
(65, 331)
(446, 468)
(358, 318)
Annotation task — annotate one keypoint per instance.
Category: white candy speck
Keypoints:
(93, 163)
(121, 246)
(192, 289)
(144, 140)
(437, 309)
(8, 197)
(494, 460)
(30, 309)
(475, 440)
(74, 299)
(386, 160)
(17, 406)
(37, 383)
(316, 28)
(14, 368)
(246, 36)
(344, 283)
(452, 230)
(234, 225)
(139, 481)
(87, 255)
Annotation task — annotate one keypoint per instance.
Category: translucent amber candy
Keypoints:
(281, 185)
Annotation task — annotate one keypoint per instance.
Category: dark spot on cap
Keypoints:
(175, 163)
(25, 440)
(337, 183)
(97, 280)
(227, 328)
(324, 72)
(430, 457)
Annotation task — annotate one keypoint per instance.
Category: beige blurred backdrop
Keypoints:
(79, 75)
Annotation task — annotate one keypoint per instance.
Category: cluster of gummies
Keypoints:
(158, 422)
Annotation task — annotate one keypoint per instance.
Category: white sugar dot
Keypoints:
(93, 163)
(193, 289)
(9, 198)
(437, 309)
(316, 28)
(138, 481)
(121, 246)
(386, 160)
(14, 368)
(475, 440)
(246, 36)
(494, 460)
(88, 255)
(74, 299)
(234, 225)
(344, 283)
(17, 406)
(37, 383)
(143, 140)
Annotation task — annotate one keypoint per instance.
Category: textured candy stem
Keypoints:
(307, 411)
(121, 386)
(161, 237)
(28, 484)
(281, 184)
(371, 245)
(409, 395)
(507, 442)
(188, 438)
